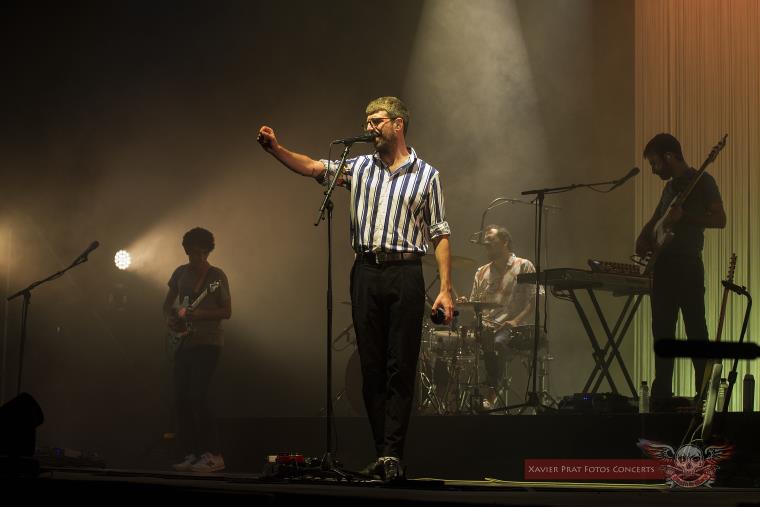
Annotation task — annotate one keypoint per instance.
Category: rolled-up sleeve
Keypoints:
(331, 167)
(436, 210)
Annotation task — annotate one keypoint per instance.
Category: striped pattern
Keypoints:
(392, 212)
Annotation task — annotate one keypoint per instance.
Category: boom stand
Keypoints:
(328, 459)
(533, 396)
(27, 293)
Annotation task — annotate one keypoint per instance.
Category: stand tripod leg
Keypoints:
(428, 394)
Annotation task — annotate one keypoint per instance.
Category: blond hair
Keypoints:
(393, 106)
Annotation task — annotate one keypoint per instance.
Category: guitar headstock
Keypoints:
(716, 149)
(213, 286)
(731, 268)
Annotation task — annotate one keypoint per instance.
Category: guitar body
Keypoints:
(712, 399)
(660, 234)
(184, 328)
(708, 391)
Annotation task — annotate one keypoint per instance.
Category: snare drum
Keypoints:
(450, 343)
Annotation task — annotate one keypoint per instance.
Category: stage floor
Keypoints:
(145, 486)
(469, 460)
(476, 447)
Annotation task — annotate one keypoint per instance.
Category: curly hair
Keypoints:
(199, 237)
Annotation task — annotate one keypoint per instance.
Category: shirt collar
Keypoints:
(510, 262)
(411, 159)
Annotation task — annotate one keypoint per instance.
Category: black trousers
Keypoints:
(388, 305)
(196, 425)
(678, 284)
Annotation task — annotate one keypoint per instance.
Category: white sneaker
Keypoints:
(186, 464)
(208, 463)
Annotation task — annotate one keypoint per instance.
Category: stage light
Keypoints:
(122, 259)
(19, 419)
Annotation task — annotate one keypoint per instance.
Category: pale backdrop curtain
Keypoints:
(697, 76)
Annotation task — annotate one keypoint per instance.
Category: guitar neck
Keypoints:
(693, 183)
(709, 160)
(199, 299)
(722, 317)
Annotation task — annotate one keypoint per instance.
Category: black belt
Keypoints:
(383, 257)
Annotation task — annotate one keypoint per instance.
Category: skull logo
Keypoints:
(690, 460)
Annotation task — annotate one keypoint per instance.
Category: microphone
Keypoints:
(633, 172)
(706, 349)
(83, 255)
(439, 316)
(476, 238)
(364, 138)
(739, 289)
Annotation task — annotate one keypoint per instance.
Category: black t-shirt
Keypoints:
(183, 281)
(689, 239)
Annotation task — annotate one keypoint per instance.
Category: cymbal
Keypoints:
(456, 261)
(478, 304)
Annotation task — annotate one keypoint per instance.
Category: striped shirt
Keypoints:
(392, 211)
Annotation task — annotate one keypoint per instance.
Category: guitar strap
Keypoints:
(201, 278)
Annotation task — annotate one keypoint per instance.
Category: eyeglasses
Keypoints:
(375, 122)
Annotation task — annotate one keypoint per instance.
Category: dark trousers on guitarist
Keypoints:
(196, 426)
(388, 305)
(678, 284)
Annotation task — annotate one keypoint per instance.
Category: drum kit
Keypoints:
(451, 370)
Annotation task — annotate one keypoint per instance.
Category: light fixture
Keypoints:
(122, 259)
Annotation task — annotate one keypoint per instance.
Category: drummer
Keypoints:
(496, 282)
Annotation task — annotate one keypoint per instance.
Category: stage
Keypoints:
(476, 460)
(130, 485)
(477, 447)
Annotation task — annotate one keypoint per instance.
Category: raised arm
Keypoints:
(296, 162)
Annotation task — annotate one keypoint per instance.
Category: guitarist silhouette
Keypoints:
(197, 329)
(672, 242)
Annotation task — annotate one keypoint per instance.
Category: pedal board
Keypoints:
(290, 465)
(598, 403)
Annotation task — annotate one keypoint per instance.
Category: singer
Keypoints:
(396, 207)
(679, 278)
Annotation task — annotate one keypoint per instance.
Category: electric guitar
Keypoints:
(708, 391)
(661, 234)
(184, 327)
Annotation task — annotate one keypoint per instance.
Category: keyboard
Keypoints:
(571, 278)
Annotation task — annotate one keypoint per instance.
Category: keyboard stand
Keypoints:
(603, 358)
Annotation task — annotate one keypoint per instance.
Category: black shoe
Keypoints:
(393, 471)
(374, 470)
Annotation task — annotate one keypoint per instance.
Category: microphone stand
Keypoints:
(328, 459)
(499, 201)
(533, 400)
(27, 293)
